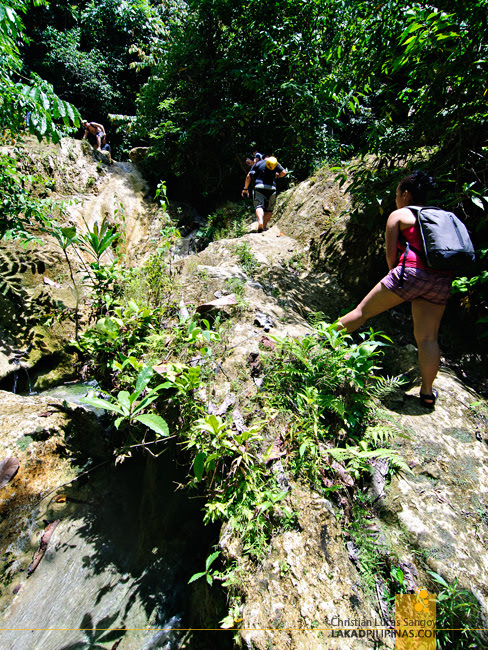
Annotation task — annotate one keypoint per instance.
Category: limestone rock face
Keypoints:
(307, 582)
(440, 512)
(138, 154)
(315, 213)
(37, 293)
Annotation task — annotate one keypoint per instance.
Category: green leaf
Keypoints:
(196, 576)
(227, 623)
(34, 92)
(143, 378)
(199, 465)
(439, 579)
(478, 202)
(102, 404)
(155, 423)
(149, 399)
(211, 559)
(69, 232)
(124, 400)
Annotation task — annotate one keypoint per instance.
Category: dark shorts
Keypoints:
(419, 283)
(265, 199)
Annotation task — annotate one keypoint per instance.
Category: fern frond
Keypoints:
(396, 461)
(384, 386)
(340, 455)
(379, 434)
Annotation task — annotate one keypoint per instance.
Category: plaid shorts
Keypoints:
(419, 283)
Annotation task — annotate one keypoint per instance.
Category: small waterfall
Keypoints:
(17, 362)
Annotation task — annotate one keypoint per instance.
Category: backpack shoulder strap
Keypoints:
(416, 211)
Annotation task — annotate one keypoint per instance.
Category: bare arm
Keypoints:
(99, 126)
(391, 239)
(397, 221)
(246, 184)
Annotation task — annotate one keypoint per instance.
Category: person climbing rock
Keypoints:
(105, 144)
(264, 174)
(256, 157)
(428, 290)
(96, 130)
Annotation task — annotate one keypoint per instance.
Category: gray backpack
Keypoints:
(446, 242)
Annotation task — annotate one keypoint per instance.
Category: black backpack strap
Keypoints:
(402, 272)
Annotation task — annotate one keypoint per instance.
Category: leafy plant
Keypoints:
(207, 573)
(246, 258)
(358, 459)
(33, 104)
(131, 407)
(326, 385)
(160, 195)
(21, 215)
(66, 236)
(228, 221)
(98, 240)
(458, 616)
(122, 333)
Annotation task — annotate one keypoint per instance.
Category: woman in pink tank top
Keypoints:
(428, 290)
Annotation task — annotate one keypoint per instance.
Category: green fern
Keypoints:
(397, 464)
(359, 459)
(384, 386)
(377, 435)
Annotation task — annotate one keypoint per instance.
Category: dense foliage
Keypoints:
(319, 80)
(26, 104)
(311, 81)
(230, 74)
(83, 48)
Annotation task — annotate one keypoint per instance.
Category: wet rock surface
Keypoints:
(113, 549)
(45, 437)
(37, 295)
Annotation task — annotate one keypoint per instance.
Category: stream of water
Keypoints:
(117, 566)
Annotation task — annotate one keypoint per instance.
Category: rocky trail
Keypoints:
(434, 518)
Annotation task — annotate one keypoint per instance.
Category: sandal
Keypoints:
(428, 401)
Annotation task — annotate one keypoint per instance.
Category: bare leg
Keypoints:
(267, 217)
(426, 321)
(378, 300)
(259, 217)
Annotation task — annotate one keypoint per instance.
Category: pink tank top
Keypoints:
(412, 235)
